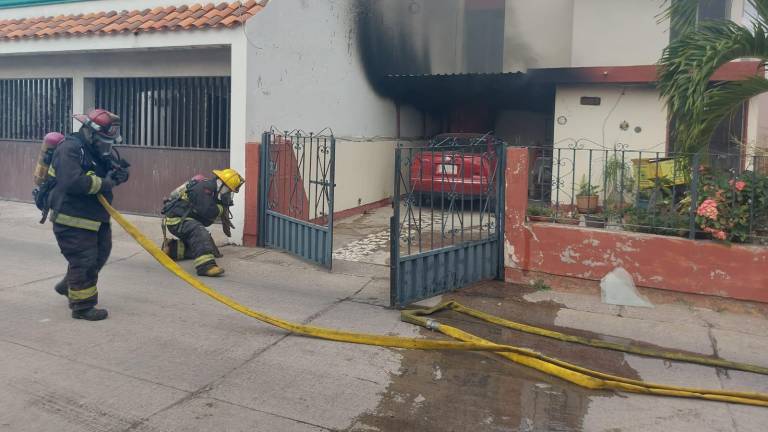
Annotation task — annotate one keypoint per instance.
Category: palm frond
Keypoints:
(761, 9)
(722, 101)
(689, 62)
(681, 14)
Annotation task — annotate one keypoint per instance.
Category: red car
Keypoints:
(455, 166)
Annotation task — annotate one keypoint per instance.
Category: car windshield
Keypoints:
(469, 143)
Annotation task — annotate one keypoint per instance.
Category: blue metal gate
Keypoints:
(296, 194)
(447, 228)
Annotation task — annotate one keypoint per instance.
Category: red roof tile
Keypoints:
(186, 17)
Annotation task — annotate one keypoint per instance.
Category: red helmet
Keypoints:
(53, 139)
(104, 123)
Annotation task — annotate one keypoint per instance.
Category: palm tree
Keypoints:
(690, 60)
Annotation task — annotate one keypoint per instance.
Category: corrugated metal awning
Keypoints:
(435, 90)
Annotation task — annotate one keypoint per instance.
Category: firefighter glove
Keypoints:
(107, 183)
(119, 176)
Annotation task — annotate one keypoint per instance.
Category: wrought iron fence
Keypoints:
(297, 189)
(191, 112)
(300, 182)
(447, 193)
(698, 196)
(30, 108)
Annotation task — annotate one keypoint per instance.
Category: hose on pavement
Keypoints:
(466, 342)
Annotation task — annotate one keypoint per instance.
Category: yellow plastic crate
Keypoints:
(648, 170)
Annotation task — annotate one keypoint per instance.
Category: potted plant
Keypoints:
(568, 218)
(657, 220)
(587, 198)
(539, 213)
(596, 220)
(619, 185)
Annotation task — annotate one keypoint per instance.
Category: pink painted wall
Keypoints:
(700, 267)
(252, 171)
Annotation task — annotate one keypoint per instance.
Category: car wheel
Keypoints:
(419, 199)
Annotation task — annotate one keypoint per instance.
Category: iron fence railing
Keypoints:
(297, 184)
(30, 108)
(446, 231)
(189, 112)
(300, 171)
(447, 193)
(698, 196)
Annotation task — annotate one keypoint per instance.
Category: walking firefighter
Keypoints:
(79, 167)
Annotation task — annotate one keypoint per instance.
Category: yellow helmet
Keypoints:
(231, 178)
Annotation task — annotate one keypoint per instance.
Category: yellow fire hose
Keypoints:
(591, 379)
(467, 342)
(597, 343)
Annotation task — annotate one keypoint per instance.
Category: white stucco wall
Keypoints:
(761, 134)
(757, 130)
(638, 105)
(184, 53)
(308, 75)
(538, 34)
(617, 33)
(82, 66)
(219, 37)
(598, 128)
(434, 30)
(190, 62)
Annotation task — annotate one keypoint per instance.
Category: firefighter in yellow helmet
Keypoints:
(191, 208)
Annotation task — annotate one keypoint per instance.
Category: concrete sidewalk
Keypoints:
(171, 359)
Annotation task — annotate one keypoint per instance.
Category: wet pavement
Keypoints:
(170, 359)
(455, 391)
(448, 391)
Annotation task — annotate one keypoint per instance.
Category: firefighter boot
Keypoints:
(90, 314)
(61, 287)
(211, 271)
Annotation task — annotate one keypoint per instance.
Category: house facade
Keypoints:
(592, 64)
(195, 83)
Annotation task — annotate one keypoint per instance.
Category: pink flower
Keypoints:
(708, 209)
(740, 185)
(718, 234)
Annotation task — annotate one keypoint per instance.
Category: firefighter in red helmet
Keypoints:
(84, 166)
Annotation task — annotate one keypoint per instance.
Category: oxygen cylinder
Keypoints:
(45, 156)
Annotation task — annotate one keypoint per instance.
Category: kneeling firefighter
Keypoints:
(84, 165)
(193, 206)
